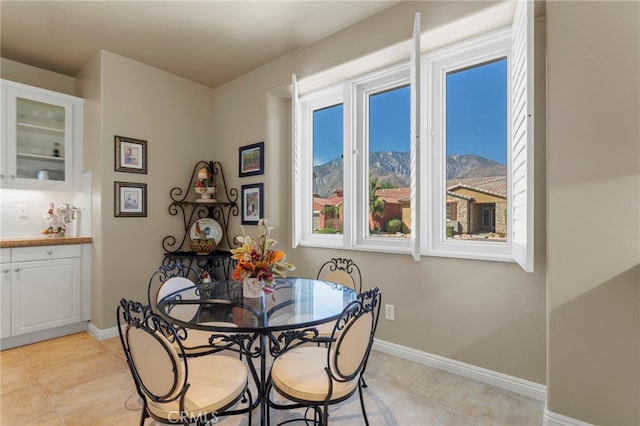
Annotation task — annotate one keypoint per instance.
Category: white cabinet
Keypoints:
(5, 292)
(41, 138)
(43, 290)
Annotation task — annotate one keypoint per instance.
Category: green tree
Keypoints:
(376, 205)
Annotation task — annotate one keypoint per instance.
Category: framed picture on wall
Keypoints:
(252, 203)
(251, 159)
(130, 155)
(130, 199)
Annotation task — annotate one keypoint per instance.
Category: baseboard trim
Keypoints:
(550, 418)
(102, 334)
(39, 336)
(504, 381)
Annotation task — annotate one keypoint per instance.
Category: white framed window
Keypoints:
(432, 212)
(494, 210)
(352, 139)
(466, 130)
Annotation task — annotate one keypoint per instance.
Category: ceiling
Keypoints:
(209, 42)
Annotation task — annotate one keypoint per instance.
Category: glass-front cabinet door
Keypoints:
(40, 131)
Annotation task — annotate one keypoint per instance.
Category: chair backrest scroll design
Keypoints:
(166, 273)
(158, 368)
(342, 271)
(352, 337)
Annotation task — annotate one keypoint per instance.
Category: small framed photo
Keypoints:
(252, 203)
(130, 199)
(130, 155)
(251, 159)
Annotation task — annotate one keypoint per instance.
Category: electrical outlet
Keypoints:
(389, 312)
(23, 212)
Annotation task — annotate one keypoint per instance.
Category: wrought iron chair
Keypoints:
(174, 277)
(173, 387)
(166, 273)
(316, 377)
(342, 271)
(369, 300)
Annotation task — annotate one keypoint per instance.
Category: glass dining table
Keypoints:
(258, 326)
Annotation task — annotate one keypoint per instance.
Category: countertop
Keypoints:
(42, 241)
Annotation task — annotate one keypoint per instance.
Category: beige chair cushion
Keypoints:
(324, 329)
(154, 358)
(340, 277)
(215, 381)
(352, 344)
(180, 312)
(299, 373)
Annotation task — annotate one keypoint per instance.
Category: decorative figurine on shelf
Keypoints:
(206, 277)
(59, 219)
(205, 187)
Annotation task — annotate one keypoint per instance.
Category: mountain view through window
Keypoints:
(476, 143)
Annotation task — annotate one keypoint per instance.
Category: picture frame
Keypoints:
(130, 199)
(130, 155)
(252, 204)
(251, 160)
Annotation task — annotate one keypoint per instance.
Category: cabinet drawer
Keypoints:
(26, 254)
(5, 255)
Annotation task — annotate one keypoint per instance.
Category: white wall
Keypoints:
(593, 195)
(26, 74)
(489, 314)
(127, 98)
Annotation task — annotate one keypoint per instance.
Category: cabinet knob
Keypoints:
(16, 270)
(49, 251)
(6, 271)
(12, 176)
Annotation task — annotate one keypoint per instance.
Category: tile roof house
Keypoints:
(477, 205)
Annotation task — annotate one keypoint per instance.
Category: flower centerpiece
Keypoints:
(258, 263)
(205, 186)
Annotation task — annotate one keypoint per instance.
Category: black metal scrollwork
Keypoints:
(226, 206)
(291, 338)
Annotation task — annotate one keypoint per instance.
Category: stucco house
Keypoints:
(477, 205)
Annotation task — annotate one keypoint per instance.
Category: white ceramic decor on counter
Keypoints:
(58, 219)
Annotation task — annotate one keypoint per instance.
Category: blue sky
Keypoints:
(327, 134)
(477, 111)
(476, 117)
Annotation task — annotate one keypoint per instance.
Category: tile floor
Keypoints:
(77, 380)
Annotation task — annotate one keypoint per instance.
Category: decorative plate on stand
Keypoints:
(206, 228)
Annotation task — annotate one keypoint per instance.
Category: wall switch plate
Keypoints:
(389, 312)
(23, 212)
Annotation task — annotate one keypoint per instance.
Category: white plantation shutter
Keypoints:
(296, 181)
(414, 65)
(522, 135)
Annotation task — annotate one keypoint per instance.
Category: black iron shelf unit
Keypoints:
(177, 249)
